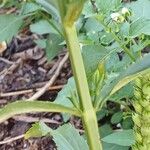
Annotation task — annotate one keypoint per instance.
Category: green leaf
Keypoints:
(88, 10)
(140, 9)
(140, 26)
(9, 26)
(117, 117)
(107, 6)
(64, 95)
(108, 146)
(126, 91)
(105, 130)
(53, 46)
(37, 130)
(91, 62)
(90, 23)
(50, 8)
(142, 66)
(36, 106)
(43, 27)
(122, 138)
(41, 43)
(127, 123)
(66, 137)
(30, 7)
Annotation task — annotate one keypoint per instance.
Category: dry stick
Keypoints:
(51, 81)
(22, 136)
(57, 87)
(6, 61)
(12, 139)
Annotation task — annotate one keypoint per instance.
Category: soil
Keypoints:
(24, 66)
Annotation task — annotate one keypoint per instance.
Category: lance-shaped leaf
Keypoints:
(139, 68)
(17, 108)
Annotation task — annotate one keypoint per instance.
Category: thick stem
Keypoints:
(88, 112)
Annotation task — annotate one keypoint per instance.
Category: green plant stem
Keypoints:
(36, 106)
(126, 50)
(88, 112)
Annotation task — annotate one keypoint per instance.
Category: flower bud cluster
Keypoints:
(120, 17)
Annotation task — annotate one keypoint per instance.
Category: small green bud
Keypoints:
(125, 11)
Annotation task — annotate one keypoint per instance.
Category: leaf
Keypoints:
(37, 130)
(43, 27)
(142, 66)
(117, 117)
(140, 9)
(90, 23)
(88, 10)
(53, 46)
(9, 26)
(65, 93)
(66, 137)
(16, 108)
(126, 91)
(91, 62)
(138, 27)
(105, 130)
(30, 7)
(107, 6)
(41, 43)
(127, 123)
(122, 138)
(108, 146)
(50, 8)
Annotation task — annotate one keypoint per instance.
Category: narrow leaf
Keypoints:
(139, 68)
(17, 108)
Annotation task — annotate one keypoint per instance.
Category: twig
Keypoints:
(29, 91)
(12, 139)
(6, 61)
(35, 119)
(51, 81)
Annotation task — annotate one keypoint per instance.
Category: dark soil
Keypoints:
(31, 72)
